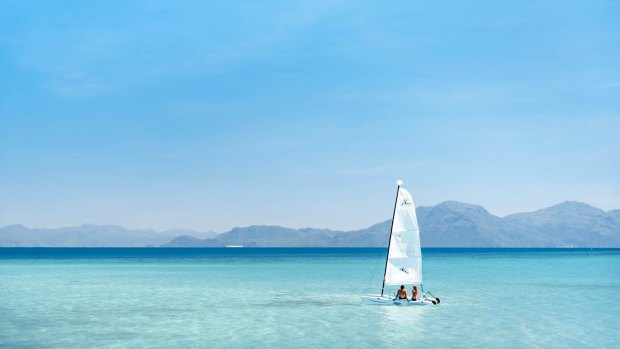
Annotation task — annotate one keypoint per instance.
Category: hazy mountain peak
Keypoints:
(256, 228)
(460, 207)
(457, 205)
(574, 207)
(16, 227)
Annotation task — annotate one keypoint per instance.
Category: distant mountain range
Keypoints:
(448, 224)
(90, 235)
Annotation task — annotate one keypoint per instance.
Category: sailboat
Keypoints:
(403, 263)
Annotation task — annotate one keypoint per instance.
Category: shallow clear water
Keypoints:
(304, 298)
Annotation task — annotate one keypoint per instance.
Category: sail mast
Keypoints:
(387, 255)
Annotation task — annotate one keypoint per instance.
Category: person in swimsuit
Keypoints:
(414, 293)
(402, 293)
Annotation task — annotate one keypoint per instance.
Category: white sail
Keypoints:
(404, 264)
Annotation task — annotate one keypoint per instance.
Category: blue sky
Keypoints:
(164, 114)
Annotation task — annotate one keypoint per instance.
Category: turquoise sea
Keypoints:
(305, 298)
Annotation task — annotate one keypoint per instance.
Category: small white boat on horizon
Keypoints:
(403, 263)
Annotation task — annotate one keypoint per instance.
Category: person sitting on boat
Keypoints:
(402, 293)
(414, 293)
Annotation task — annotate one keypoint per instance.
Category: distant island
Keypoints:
(448, 224)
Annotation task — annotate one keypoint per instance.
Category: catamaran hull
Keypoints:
(376, 299)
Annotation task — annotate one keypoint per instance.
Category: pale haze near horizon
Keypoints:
(208, 115)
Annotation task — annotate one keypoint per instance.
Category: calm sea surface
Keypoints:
(305, 298)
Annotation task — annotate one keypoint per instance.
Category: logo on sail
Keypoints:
(404, 271)
(406, 202)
